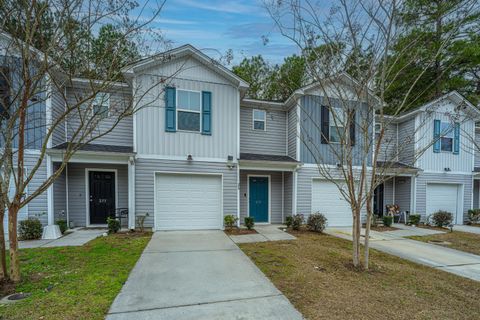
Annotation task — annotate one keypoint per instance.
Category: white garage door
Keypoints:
(188, 201)
(443, 197)
(327, 200)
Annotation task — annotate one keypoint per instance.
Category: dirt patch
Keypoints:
(133, 234)
(239, 231)
(6, 288)
(432, 228)
(383, 228)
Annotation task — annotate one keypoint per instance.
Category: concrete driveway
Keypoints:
(198, 275)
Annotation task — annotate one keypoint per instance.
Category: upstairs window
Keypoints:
(4, 92)
(101, 105)
(259, 119)
(188, 110)
(446, 137)
(337, 125)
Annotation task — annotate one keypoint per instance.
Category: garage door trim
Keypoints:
(155, 173)
(458, 218)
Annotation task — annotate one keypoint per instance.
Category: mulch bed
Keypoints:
(383, 228)
(239, 231)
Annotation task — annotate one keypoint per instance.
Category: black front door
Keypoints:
(378, 201)
(102, 196)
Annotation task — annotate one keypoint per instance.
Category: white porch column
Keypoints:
(51, 231)
(131, 193)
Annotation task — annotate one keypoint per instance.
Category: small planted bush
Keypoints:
(387, 221)
(288, 221)
(316, 222)
(474, 216)
(249, 222)
(414, 219)
(113, 225)
(62, 224)
(230, 221)
(30, 229)
(442, 218)
(297, 221)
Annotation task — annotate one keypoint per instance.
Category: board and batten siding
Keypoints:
(292, 132)
(122, 133)
(58, 111)
(269, 141)
(388, 145)
(437, 162)
(145, 176)
(406, 141)
(421, 189)
(77, 205)
(275, 180)
(476, 147)
(151, 138)
(311, 148)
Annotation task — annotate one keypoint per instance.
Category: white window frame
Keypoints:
(177, 109)
(264, 120)
(443, 135)
(100, 97)
(338, 124)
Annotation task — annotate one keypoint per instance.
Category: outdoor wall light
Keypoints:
(447, 169)
(189, 157)
(230, 163)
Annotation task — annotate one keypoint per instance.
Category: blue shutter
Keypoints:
(436, 136)
(325, 127)
(456, 139)
(170, 110)
(206, 113)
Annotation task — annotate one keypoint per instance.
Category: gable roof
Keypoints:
(184, 51)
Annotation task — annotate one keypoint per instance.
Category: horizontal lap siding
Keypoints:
(37, 206)
(425, 178)
(406, 141)
(59, 195)
(476, 147)
(58, 111)
(276, 194)
(144, 182)
(77, 206)
(270, 141)
(292, 132)
(403, 192)
(387, 193)
(476, 190)
(388, 145)
(288, 194)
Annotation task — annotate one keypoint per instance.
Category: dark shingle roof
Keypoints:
(266, 157)
(394, 165)
(98, 148)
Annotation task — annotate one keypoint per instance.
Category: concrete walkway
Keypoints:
(469, 229)
(198, 275)
(269, 232)
(78, 237)
(392, 242)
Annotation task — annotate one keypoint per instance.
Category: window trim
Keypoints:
(264, 120)
(336, 126)
(94, 104)
(177, 108)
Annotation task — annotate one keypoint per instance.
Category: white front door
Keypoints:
(327, 199)
(188, 201)
(446, 197)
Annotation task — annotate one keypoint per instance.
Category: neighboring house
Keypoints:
(200, 150)
(433, 147)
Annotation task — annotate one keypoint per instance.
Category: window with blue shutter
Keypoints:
(170, 112)
(206, 112)
(436, 136)
(456, 142)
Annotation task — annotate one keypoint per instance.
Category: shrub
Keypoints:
(62, 224)
(387, 221)
(297, 221)
(30, 229)
(289, 221)
(414, 219)
(113, 225)
(249, 222)
(229, 221)
(474, 215)
(316, 222)
(442, 218)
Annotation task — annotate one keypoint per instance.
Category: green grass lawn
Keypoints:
(75, 282)
(464, 241)
(316, 274)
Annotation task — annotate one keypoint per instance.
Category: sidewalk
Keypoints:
(78, 237)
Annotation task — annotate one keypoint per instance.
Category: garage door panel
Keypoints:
(188, 201)
(326, 199)
(442, 197)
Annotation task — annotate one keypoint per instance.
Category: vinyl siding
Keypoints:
(406, 141)
(77, 189)
(150, 121)
(311, 148)
(425, 178)
(38, 206)
(288, 194)
(476, 191)
(270, 141)
(388, 145)
(388, 196)
(122, 133)
(59, 195)
(275, 190)
(58, 111)
(292, 132)
(476, 148)
(403, 193)
(144, 182)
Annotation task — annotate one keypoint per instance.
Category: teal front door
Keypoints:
(258, 198)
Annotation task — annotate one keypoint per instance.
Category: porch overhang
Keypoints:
(394, 168)
(265, 162)
(93, 154)
(476, 173)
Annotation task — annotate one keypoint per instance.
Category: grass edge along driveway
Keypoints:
(463, 241)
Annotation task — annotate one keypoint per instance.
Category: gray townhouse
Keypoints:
(202, 150)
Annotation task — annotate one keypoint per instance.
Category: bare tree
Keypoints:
(348, 49)
(47, 48)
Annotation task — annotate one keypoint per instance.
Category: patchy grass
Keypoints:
(315, 273)
(75, 282)
(464, 241)
(383, 228)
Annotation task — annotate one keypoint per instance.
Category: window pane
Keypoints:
(189, 121)
(194, 104)
(100, 111)
(337, 116)
(446, 144)
(335, 134)
(446, 129)
(182, 99)
(258, 115)
(259, 125)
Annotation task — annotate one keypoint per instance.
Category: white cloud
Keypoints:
(221, 6)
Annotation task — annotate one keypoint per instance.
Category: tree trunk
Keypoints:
(12, 237)
(356, 239)
(367, 233)
(3, 252)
